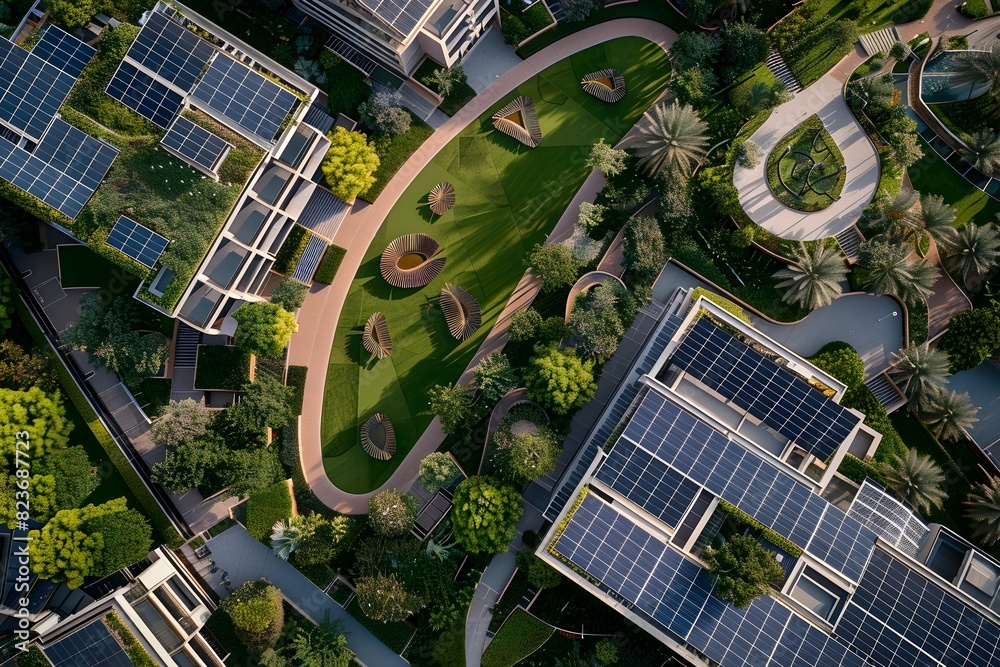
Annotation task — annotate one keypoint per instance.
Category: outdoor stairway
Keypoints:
(777, 65)
(886, 392)
(186, 346)
(850, 240)
(879, 41)
(555, 6)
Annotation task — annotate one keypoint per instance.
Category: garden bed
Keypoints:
(520, 636)
(394, 635)
(460, 95)
(393, 150)
(222, 367)
(805, 170)
(267, 507)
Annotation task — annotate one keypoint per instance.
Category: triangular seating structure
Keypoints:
(606, 84)
(376, 338)
(378, 437)
(411, 261)
(519, 121)
(442, 198)
(461, 311)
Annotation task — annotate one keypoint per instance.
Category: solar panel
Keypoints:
(648, 482)
(140, 243)
(888, 518)
(170, 51)
(775, 395)
(90, 645)
(59, 48)
(144, 95)
(195, 144)
(32, 92)
(842, 542)
(251, 101)
(403, 15)
(901, 617)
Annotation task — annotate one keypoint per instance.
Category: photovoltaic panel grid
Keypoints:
(256, 104)
(889, 518)
(145, 95)
(902, 618)
(195, 144)
(58, 47)
(842, 542)
(402, 15)
(64, 170)
(140, 243)
(170, 51)
(32, 90)
(769, 392)
(649, 482)
(90, 645)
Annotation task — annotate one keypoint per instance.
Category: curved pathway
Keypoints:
(321, 311)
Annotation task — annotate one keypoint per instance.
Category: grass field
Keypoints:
(520, 636)
(509, 198)
(932, 175)
(966, 117)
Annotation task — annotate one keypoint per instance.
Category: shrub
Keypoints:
(513, 29)
(136, 653)
(289, 294)
(842, 362)
(256, 611)
(267, 507)
(857, 470)
(722, 302)
(391, 512)
(972, 337)
(524, 325)
(350, 164)
(263, 328)
(383, 112)
(559, 380)
(744, 570)
(328, 266)
(291, 250)
(222, 367)
(749, 155)
(296, 379)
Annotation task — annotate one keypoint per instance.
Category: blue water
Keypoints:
(938, 85)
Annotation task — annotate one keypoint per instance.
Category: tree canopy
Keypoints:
(391, 512)
(255, 609)
(438, 470)
(744, 570)
(38, 416)
(972, 337)
(495, 377)
(559, 380)
(127, 538)
(384, 598)
(264, 328)
(454, 406)
(181, 421)
(554, 264)
(349, 164)
(485, 515)
(187, 464)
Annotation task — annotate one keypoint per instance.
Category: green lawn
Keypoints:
(393, 151)
(966, 117)
(932, 175)
(519, 637)
(509, 198)
(810, 175)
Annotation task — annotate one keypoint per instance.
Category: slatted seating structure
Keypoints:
(606, 84)
(519, 121)
(461, 311)
(376, 338)
(411, 261)
(378, 437)
(442, 198)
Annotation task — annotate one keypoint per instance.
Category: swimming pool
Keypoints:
(938, 82)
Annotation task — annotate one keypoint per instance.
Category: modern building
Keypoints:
(719, 431)
(397, 34)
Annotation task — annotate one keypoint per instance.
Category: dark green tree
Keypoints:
(127, 538)
(251, 470)
(744, 570)
(554, 264)
(455, 407)
(495, 377)
(75, 477)
(187, 464)
(289, 294)
(256, 611)
(972, 337)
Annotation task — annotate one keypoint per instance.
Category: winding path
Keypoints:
(318, 319)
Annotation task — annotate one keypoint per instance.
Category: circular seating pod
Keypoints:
(375, 338)
(461, 311)
(411, 261)
(606, 84)
(378, 437)
(441, 198)
(519, 121)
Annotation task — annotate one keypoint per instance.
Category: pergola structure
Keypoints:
(461, 311)
(519, 120)
(442, 198)
(376, 338)
(606, 84)
(378, 437)
(411, 261)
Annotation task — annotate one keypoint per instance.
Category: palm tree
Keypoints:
(948, 415)
(813, 278)
(983, 510)
(935, 219)
(919, 369)
(917, 480)
(670, 138)
(896, 216)
(973, 252)
(983, 151)
(886, 268)
(285, 537)
(978, 67)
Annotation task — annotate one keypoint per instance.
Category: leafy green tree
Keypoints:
(312, 646)
(20, 370)
(644, 247)
(983, 510)
(972, 337)
(979, 67)
(744, 570)
(916, 479)
(63, 551)
(900, 51)
(181, 421)
(743, 47)
(749, 154)
(670, 138)
(694, 49)
(919, 370)
(256, 611)
(813, 278)
(495, 377)
(40, 416)
(597, 320)
(289, 294)
(251, 470)
(948, 415)
(264, 328)
(113, 337)
(322, 540)
(591, 216)
(533, 454)
(485, 515)
(350, 164)
(906, 149)
(455, 407)
(266, 402)
(873, 91)
(42, 496)
(446, 79)
(383, 598)
(560, 381)
(540, 574)
(187, 464)
(127, 538)
(699, 11)
(438, 470)
(554, 264)
(842, 362)
(607, 159)
(74, 475)
(391, 512)
(973, 253)
(983, 150)
(524, 325)
(71, 14)
(694, 86)
(886, 268)
(383, 112)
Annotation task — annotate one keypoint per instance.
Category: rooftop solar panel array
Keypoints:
(251, 101)
(775, 395)
(90, 645)
(140, 243)
(195, 144)
(145, 95)
(889, 518)
(649, 482)
(65, 169)
(170, 51)
(58, 47)
(842, 542)
(32, 91)
(902, 618)
(403, 15)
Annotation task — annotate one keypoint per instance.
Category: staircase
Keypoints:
(186, 346)
(777, 65)
(879, 41)
(555, 6)
(886, 392)
(850, 240)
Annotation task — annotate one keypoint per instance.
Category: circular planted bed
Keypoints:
(805, 170)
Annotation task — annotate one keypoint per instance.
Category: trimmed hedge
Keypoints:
(327, 269)
(722, 302)
(857, 470)
(296, 379)
(266, 507)
(291, 250)
(136, 653)
(222, 367)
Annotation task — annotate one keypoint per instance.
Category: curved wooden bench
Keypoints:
(442, 198)
(378, 437)
(412, 246)
(461, 311)
(606, 84)
(519, 120)
(376, 338)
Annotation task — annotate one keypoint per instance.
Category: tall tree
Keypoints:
(896, 215)
(643, 247)
(670, 138)
(559, 380)
(917, 480)
(20, 369)
(973, 253)
(312, 646)
(256, 611)
(597, 320)
(978, 67)
(455, 406)
(813, 278)
(935, 219)
(919, 370)
(391, 512)
(264, 328)
(438, 470)
(63, 551)
(181, 421)
(983, 511)
(188, 463)
(607, 159)
(983, 151)
(495, 377)
(350, 164)
(289, 294)
(948, 414)
(127, 538)
(485, 515)
(532, 454)
(887, 268)
(251, 470)
(554, 264)
(972, 337)
(744, 570)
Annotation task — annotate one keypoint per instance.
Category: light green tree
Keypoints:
(384, 598)
(127, 538)
(391, 512)
(559, 380)
(554, 264)
(264, 328)
(607, 159)
(75, 477)
(533, 454)
(42, 497)
(71, 14)
(454, 406)
(743, 568)
(256, 611)
(643, 247)
(181, 421)
(38, 417)
(485, 515)
(438, 470)
(350, 164)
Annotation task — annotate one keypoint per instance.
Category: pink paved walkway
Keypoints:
(318, 318)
